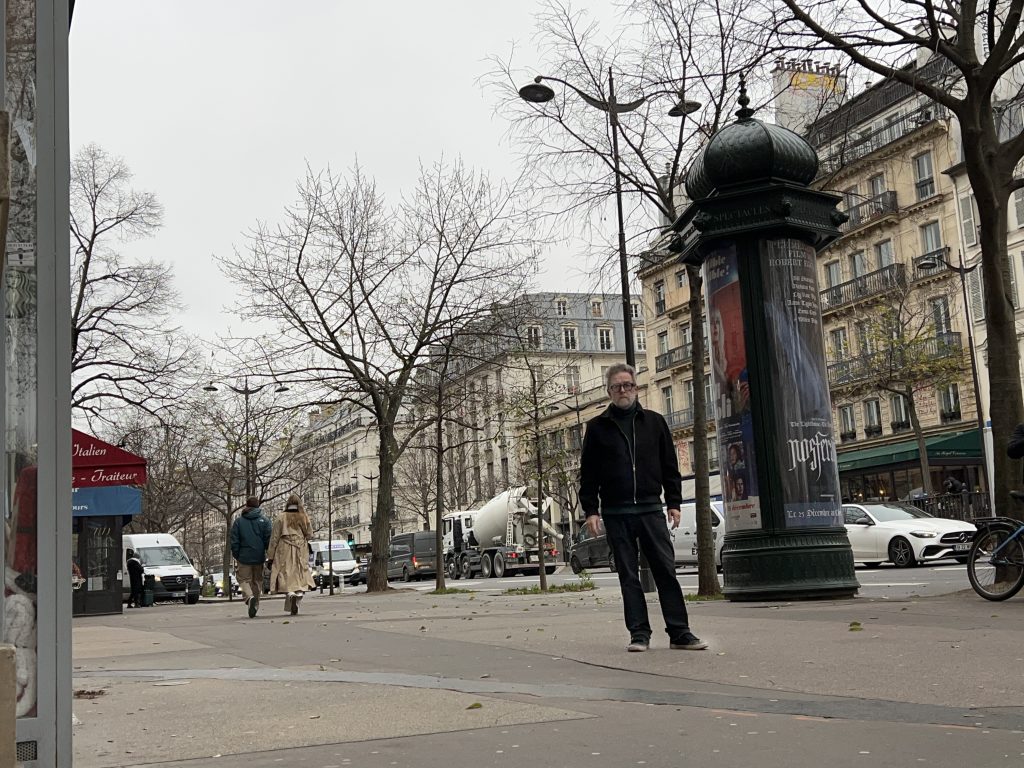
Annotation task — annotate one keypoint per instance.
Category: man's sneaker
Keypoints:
(688, 642)
(254, 605)
(638, 645)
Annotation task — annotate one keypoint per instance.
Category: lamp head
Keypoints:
(281, 387)
(684, 107)
(211, 387)
(927, 262)
(536, 92)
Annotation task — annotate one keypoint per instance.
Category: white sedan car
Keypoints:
(904, 535)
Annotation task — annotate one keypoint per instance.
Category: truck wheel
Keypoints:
(452, 569)
(465, 568)
(499, 565)
(405, 575)
(485, 566)
(193, 599)
(575, 564)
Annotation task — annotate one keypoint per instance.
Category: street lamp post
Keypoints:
(931, 261)
(246, 392)
(538, 93)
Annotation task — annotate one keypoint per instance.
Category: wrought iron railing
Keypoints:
(939, 255)
(855, 369)
(675, 356)
(872, 284)
(684, 417)
(887, 134)
(955, 506)
(874, 208)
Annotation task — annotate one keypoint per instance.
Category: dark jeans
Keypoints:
(651, 533)
(135, 598)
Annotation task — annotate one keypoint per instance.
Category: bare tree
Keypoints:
(126, 348)
(359, 292)
(693, 51)
(974, 54)
(904, 348)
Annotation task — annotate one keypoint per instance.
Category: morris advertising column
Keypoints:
(756, 226)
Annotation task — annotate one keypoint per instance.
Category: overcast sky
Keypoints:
(218, 106)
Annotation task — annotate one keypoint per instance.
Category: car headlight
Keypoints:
(924, 534)
(156, 578)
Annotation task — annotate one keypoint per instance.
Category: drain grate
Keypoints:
(26, 750)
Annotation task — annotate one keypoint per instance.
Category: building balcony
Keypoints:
(848, 437)
(870, 210)
(675, 356)
(900, 426)
(847, 154)
(872, 284)
(684, 418)
(937, 257)
(947, 417)
(865, 367)
(873, 430)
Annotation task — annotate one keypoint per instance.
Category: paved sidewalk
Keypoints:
(409, 678)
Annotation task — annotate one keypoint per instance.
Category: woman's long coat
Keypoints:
(290, 571)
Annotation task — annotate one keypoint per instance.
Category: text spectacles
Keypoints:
(628, 386)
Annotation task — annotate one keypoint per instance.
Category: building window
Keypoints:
(931, 238)
(562, 308)
(688, 393)
(967, 217)
(865, 342)
(977, 299)
(597, 308)
(572, 379)
(940, 315)
(666, 399)
(569, 339)
(876, 184)
(924, 177)
(533, 337)
(712, 453)
(833, 274)
(858, 264)
(949, 403)
(847, 423)
(663, 343)
(872, 418)
(840, 343)
(640, 339)
(850, 205)
(634, 310)
(605, 339)
(681, 279)
(883, 254)
(900, 413)
(1014, 299)
(708, 397)
(685, 335)
(659, 297)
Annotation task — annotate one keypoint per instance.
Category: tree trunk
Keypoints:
(226, 562)
(380, 521)
(922, 447)
(990, 186)
(439, 481)
(542, 568)
(707, 568)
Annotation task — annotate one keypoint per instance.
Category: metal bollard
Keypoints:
(8, 688)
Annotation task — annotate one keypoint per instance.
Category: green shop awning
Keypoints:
(960, 445)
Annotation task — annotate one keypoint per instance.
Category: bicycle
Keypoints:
(996, 563)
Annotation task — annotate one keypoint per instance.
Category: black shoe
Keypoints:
(638, 645)
(254, 605)
(688, 642)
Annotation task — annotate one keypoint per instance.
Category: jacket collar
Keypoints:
(607, 412)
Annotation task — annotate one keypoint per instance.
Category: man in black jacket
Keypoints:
(628, 462)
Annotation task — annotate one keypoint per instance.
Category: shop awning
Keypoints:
(96, 463)
(960, 445)
(106, 500)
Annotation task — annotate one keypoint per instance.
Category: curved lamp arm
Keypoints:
(604, 106)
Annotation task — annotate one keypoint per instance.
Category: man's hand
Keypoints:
(674, 516)
(594, 525)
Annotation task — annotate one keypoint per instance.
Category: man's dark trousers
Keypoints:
(650, 530)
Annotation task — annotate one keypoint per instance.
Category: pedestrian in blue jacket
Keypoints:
(250, 537)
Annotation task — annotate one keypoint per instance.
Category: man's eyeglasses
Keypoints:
(628, 386)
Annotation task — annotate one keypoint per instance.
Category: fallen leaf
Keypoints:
(475, 705)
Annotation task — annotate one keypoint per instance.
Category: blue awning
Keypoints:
(106, 500)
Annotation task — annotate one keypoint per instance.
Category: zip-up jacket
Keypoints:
(250, 536)
(613, 476)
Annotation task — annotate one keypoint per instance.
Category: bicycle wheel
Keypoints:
(996, 578)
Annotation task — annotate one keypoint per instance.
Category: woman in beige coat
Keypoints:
(288, 554)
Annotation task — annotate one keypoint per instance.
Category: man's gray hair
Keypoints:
(619, 368)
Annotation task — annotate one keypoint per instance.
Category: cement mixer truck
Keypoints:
(499, 539)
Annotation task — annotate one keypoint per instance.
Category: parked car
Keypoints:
(684, 538)
(217, 579)
(412, 556)
(589, 551)
(904, 535)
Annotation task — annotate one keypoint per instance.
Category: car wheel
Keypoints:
(611, 562)
(405, 575)
(901, 553)
(574, 563)
(485, 566)
(499, 565)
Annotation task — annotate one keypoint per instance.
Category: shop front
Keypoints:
(893, 471)
(104, 498)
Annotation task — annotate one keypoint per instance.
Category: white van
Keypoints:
(165, 561)
(685, 539)
(341, 561)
